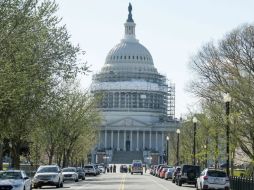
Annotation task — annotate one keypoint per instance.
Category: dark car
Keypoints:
(175, 172)
(123, 169)
(81, 173)
(188, 174)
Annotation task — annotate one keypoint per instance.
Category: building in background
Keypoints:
(138, 104)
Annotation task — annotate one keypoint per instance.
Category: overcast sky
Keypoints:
(172, 30)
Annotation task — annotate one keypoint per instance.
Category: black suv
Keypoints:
(81, 173)
(188, 174)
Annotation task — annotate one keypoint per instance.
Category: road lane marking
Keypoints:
(122, 182)
(159, 184)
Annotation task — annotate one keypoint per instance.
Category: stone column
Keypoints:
(118, 145)
(124, 139)
(150, 141)
(162, 140)
(99, 143)
(156, 140)
(144, 140)
(105, 140)
(112, 139)
(131, 140)
(137, 141)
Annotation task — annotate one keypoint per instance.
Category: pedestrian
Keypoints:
(110, 168)
(114, 168)
(129, 168)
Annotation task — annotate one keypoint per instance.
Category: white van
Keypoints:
(137, 167)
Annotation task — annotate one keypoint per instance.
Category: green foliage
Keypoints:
(227, 67)
(36, 56)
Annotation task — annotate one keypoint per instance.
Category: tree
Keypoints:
(66, 126)
(36, 55)
(227, 66)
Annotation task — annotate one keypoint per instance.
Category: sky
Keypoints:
(172, 30)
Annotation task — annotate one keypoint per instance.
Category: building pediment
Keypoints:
(127, 122)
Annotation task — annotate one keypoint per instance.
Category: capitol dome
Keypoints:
(128, 80)
(129, 55)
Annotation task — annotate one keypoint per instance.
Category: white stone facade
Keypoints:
(135, 100)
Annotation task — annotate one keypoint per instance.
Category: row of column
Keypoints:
(106, 132)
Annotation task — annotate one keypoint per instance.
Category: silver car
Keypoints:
(90, 170)
(15, 180)
(49, 175)
(70, 173)
(213, 179)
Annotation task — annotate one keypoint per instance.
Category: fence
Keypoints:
(241, 183)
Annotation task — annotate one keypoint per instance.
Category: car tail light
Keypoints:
(205, 177)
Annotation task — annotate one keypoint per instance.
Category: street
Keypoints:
(124, 181)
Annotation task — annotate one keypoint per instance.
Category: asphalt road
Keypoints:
(123, 181)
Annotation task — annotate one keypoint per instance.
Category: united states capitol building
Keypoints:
(137, 104)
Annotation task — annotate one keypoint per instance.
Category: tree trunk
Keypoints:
(1, 155)
(232, 163)
(51, 155)
(15, 155)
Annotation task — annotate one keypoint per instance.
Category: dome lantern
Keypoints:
(129, 26)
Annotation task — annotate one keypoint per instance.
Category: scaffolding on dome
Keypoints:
(171, 100)
(137, 92)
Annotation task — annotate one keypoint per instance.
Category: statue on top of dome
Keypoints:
(130, 15)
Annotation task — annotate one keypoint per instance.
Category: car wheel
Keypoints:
(58, 185)
(131, 173)
(141, 173)
(76, 180)
(83, 178)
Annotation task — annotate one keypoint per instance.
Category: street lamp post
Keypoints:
(177, 149)
(106, 161)
(167, 150)
(227, 100)
(205, 148)
(194, 120)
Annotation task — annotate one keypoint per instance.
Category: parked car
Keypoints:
(158, 169)
(152, 169)
(98, 171)
(176, 171)
(213, 179)
(123, 169)
(102, 169)
(137, 167)
(81, 173)
(70, 173)
(90, 170)
(169, 173)
(163, 171)
(48, 175)
(188, 174)
(15, 180)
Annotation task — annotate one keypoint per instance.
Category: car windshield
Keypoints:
(10, 175)
(69, 170)
(216, 174)
(192, 169)
(137, 165)
(47, 170)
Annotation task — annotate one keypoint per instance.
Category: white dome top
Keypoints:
(129, 52)
(129, 55)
